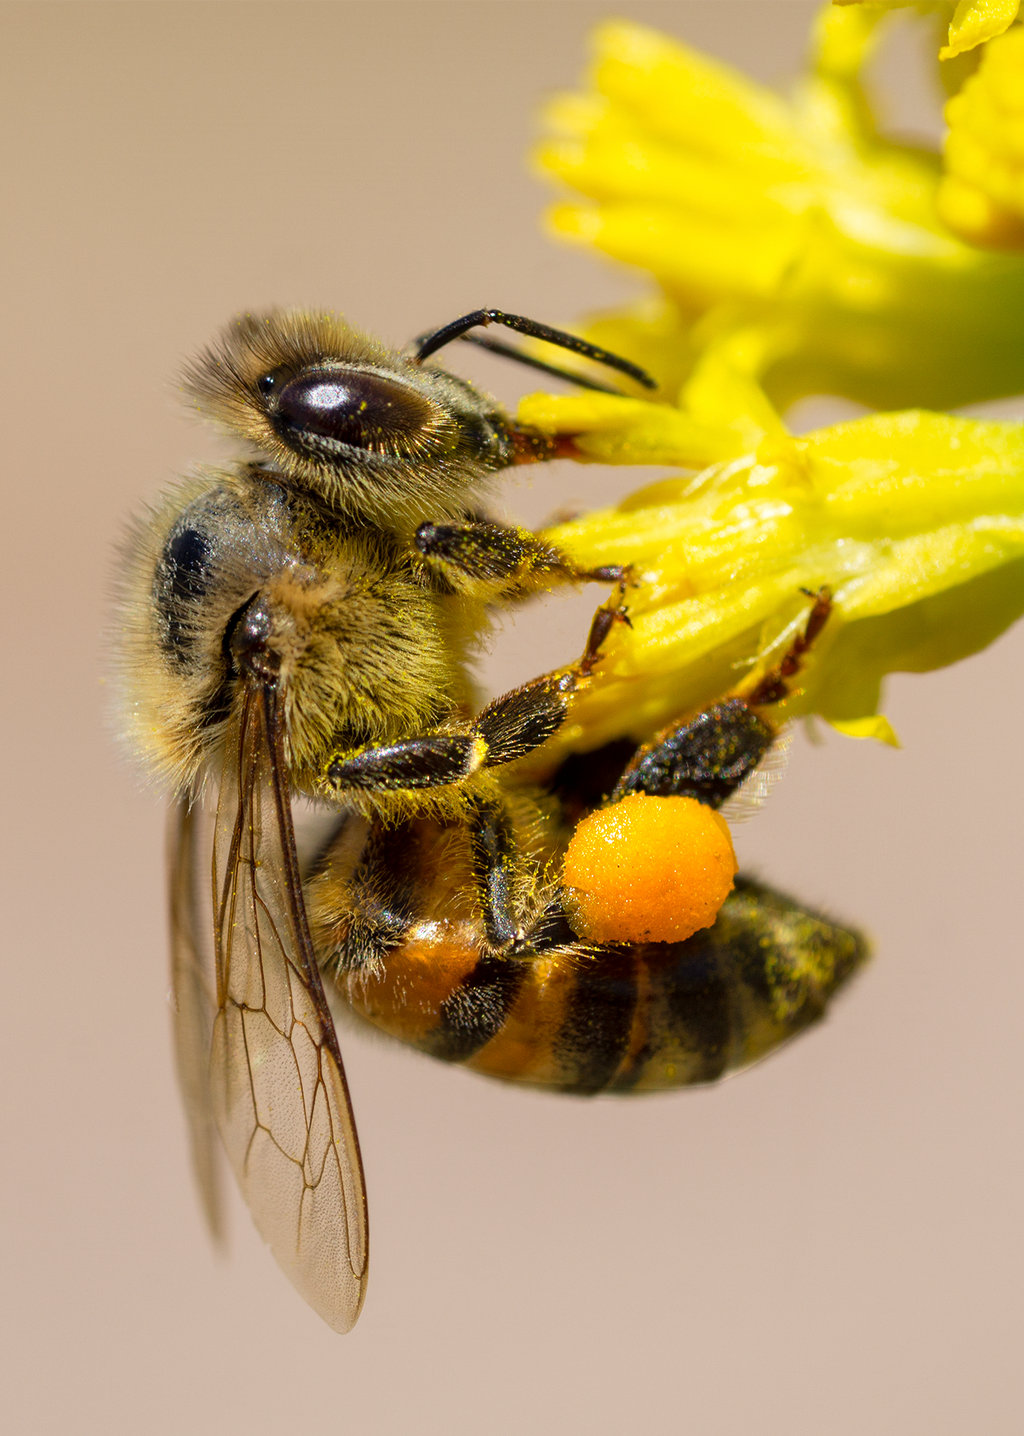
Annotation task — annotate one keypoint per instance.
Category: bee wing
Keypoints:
(276, 1077)
(193, 986)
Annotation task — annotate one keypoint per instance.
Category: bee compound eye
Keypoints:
(349, 406)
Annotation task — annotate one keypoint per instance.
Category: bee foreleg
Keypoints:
(505, 561)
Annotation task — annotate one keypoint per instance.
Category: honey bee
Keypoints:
(298, 623)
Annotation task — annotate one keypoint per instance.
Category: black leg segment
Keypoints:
(706, 759)
(489, 551)
(385, 900)
(428, 762)
(521, 721)
(494, 868)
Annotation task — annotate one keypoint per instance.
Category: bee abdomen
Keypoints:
(624, 1018)
(476, 1009)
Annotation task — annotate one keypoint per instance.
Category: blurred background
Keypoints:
(830, 1243)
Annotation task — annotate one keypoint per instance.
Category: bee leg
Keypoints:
(605, 619)
(431, 761)
(502, 560)
(773, 686)
(507, 729)
(707, 758)
(495, 864)
(382, 902)
(518, 722)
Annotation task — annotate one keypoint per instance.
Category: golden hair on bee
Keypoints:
(356, 642)
(369, 430)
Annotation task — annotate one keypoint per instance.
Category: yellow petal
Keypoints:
(971, 23)
(608, 430)
(796, 252)
(794, 217)
(876, 726)
(975, 21)
(982, 194)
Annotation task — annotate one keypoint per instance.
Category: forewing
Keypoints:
(276, 1077)
(193, 987)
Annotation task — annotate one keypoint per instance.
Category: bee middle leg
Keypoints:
(508, 728)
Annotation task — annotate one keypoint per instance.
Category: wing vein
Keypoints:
(277, 1080)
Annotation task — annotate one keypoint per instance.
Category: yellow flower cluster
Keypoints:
(796, 251)
(914, 520)
(981, 197)
(792, 219)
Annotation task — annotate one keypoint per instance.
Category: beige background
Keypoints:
(826, 1246)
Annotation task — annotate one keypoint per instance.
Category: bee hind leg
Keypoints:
(774, 686)
(708, 757)
(496, 864)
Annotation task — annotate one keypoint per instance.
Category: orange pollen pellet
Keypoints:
(648, 870)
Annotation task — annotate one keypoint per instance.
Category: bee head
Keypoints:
(367, 429)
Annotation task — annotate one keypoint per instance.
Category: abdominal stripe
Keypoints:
(477, 1009)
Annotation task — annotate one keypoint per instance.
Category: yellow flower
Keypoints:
(982, 194)
(789, 217)
(915, 521)
(971, 23)
(796, 252)
(723, 412)
(975, 21)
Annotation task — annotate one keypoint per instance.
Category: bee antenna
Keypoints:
(428, 344)
(508, 351)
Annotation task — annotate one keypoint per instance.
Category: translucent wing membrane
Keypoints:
(276, 1079)
(193, 985)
